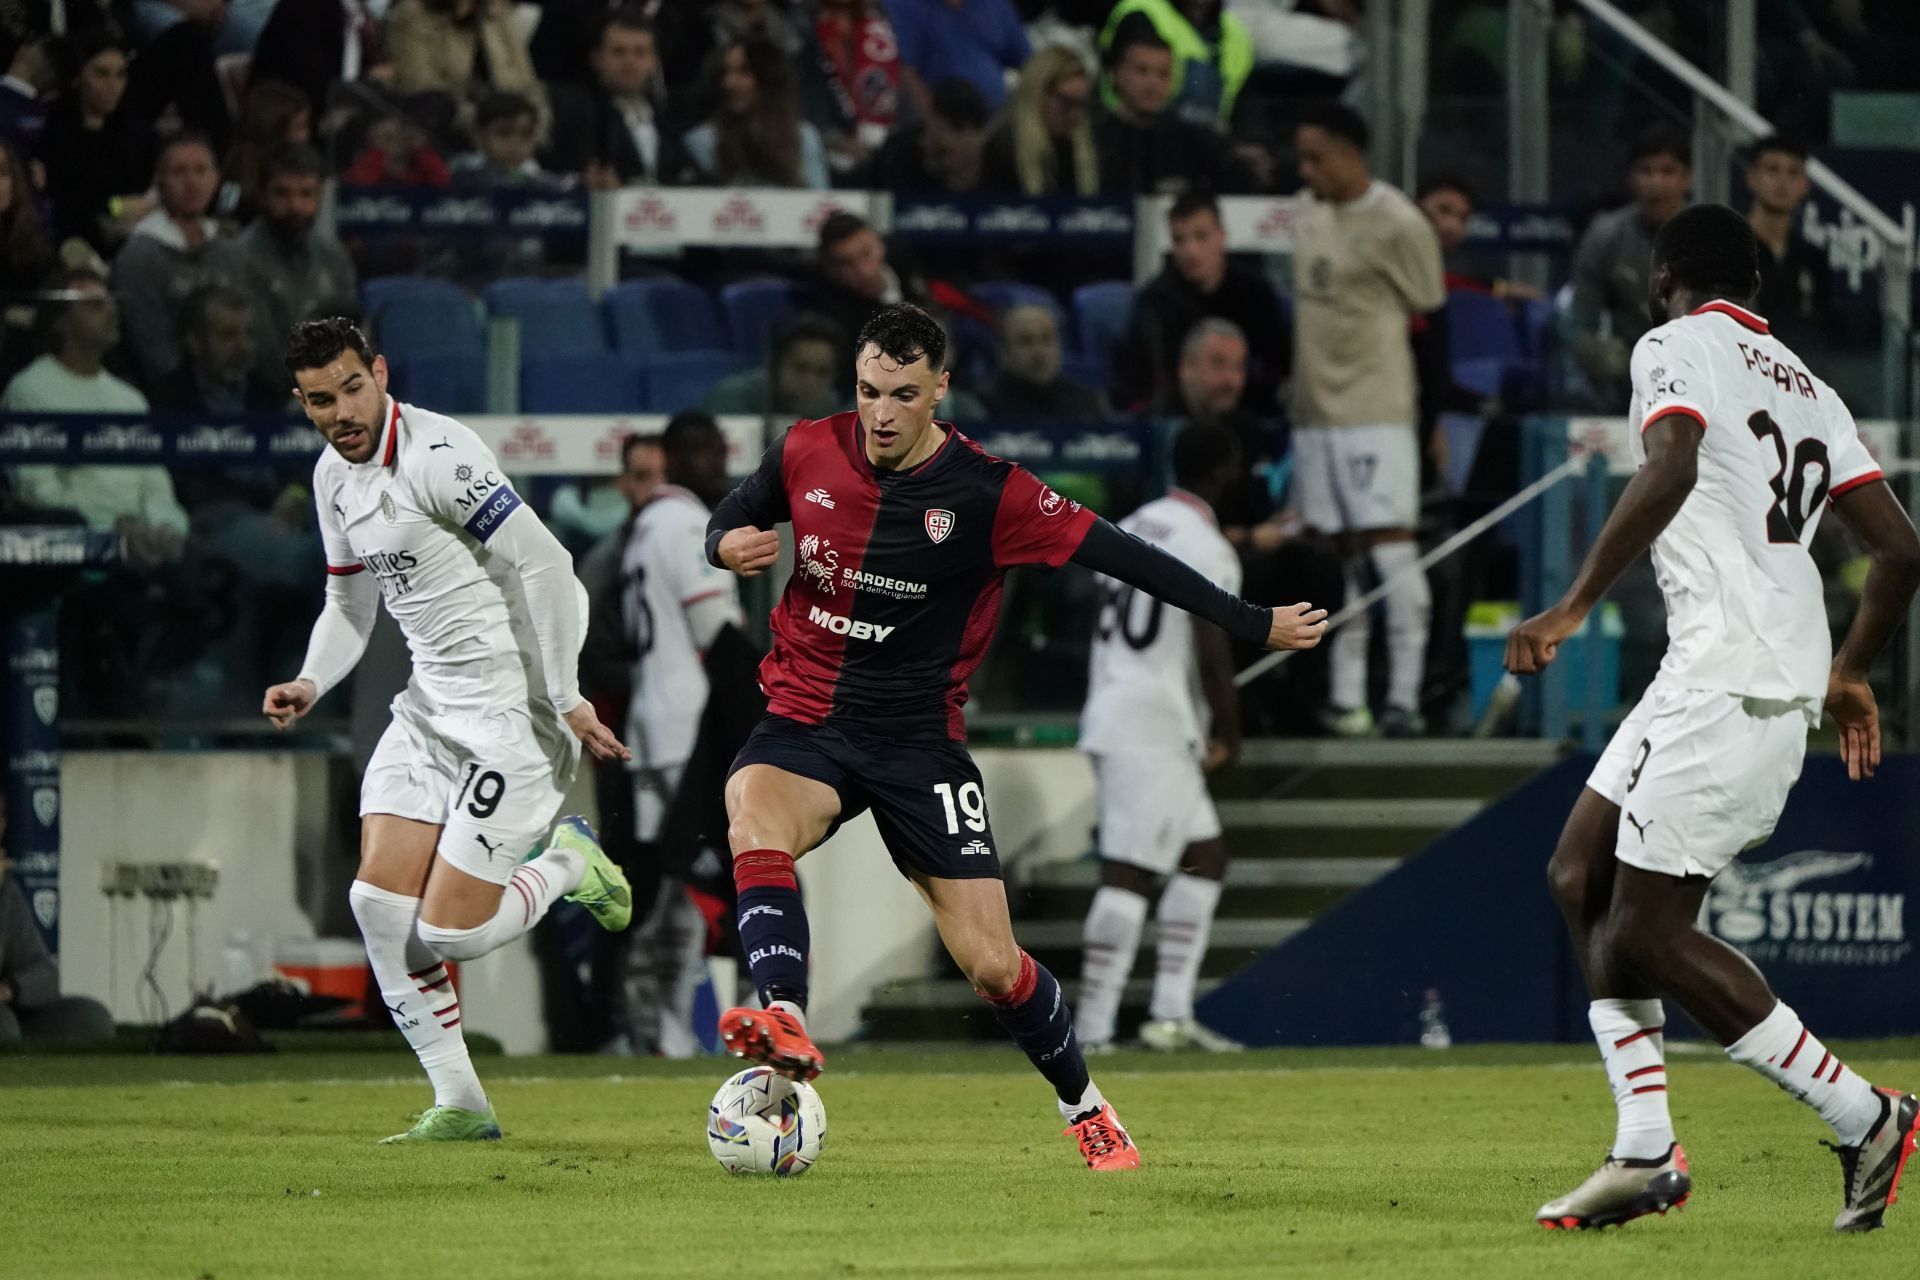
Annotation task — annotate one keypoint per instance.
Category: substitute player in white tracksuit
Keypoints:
(471, 772)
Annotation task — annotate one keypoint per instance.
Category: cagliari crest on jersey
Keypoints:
(939, 524)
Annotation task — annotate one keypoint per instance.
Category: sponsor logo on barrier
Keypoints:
(46, 907)
(841, 626)
(292, 439)
(612, 440)
(1276, 223)
(549, 215)
(1095, 220)
(57, 546)
(652, 213)
(528, 441)
(1788, 909)
(32, 437)
(44, 863)
(1101, 447)
(1013, 219)
(46, 704)
(117, 437)
(453, 211)
(817, 216)
(739, 215)
(46, 805)
(47, 762)
(380, 210)
(47, 660)
(930, 218)
(1019, 446)
(207, 439)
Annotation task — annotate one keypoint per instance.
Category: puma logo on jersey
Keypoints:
(847, 626)
(1640, 826)
(442, 445)
(820, 496)
(340, 511)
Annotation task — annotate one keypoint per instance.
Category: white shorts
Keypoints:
(1354, 478)
(1153, 804)
(495, 782)
(1699, 776)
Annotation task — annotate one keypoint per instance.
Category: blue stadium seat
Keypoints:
(1100, 314)
(1482, 327)
(1002, 295)
(557, 317)
(443, 381)
(662, 314)
(1485, 375)
(682, 380)
(755, 308)
(1536, 322)
(578, 382)
(415, 315)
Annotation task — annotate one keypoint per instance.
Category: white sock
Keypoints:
(1347, 659)
(682, 949)
(1091, 1100)
(1111, 940)
(1634, 1052)
(1785, 1052)
(1409, 610)
(534, 887)
(1185, 918)
(418, 992)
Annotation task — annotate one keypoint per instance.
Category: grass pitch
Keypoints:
(937, 1164)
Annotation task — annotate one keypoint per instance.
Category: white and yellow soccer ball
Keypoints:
(762, 1122)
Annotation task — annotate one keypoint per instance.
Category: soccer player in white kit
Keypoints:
(1739, 451)
(1160, 714)
(484, 740)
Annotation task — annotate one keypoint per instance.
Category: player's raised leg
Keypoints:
(774, 816)
(978, 932)
(395, 857)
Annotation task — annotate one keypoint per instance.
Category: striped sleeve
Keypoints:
(1670, 376)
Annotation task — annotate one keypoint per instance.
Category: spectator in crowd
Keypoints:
(506, 132)
(175, 70)
(98, 153)
(221, 373)
(27, 86)
(271, 114)
(1608, 310)
(315, 44)
(942, 153)
(798, 382)
(137, 502)
(1365, 264)
(1796, 285)
(1211, 386)
(1198, 282)
(611, 132)
(1043, 144)
(850, 78)
(25, 254)
(462, 49)
(1213, 54)
(31, 1006)
(977, 40)
(288, 269)
(855, 277)
(1030, 384)
(756, 136)
(168, 256)
(398, 153)
(1448, 200)
(1143, 146)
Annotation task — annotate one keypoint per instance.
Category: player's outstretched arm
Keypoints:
(1651, 500)
(339, 638)
(1873, 516)
(740, 535)
(1113, 551)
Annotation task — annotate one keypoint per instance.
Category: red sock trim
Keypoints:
(1797, 1046)
(1634, 1075)
(764, 869)
(1624, 1041)
(1022, 986)
(1651, 1088)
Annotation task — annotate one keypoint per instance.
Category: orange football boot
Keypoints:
(774, 1037)
(1104, 1143)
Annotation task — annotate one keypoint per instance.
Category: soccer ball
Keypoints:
(762, 1122)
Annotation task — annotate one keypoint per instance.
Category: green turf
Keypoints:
(944, 1163)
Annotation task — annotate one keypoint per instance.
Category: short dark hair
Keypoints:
(1201, 449)
(840, 225)
(1134, 29)
(293, 159)
(806, 327)
(632, 441)
(959, 102)
(1778, 144)
(905, 333)
(1710, 249)
(84, 46)
(205, 299)
(683, 428)
(184, 138)
(1339, 120)
(503, 104)
(314, 344)
(628, 17)
(1190, 202)
(1446, 180)
(1661, 140)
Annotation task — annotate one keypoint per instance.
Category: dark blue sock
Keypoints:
(773, 925)
(1035, 1014)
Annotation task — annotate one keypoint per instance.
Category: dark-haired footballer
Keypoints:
(1740, 450)
(905, 530)
(416, 514)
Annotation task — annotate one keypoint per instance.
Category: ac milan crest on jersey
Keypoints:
(939, 524)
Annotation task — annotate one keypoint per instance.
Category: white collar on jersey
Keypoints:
(1195, 501)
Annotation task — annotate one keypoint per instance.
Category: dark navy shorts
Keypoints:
(926, 797)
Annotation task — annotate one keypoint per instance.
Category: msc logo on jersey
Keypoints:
(847, 626)
(477, 490)
(939, 524)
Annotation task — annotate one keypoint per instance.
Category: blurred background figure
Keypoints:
(1796, 285)
(797, 383)
(167, 256)
(1030, 384)
(221, 372)
(1043, 142)
(610, 130)
(98, 152)
(756, 135)
(944, 151)
(31, 1006)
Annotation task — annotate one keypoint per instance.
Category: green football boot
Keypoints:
(449, 1124)
(603, 889)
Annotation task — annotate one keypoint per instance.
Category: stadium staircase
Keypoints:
(1307, 822)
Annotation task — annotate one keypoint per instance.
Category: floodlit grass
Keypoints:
(943, 1163)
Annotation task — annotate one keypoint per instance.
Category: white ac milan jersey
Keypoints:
(665, 573)
(418, 516)
(1745, 612)
(1143, 689)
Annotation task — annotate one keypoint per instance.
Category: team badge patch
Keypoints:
(388, 510)
(939, 524)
